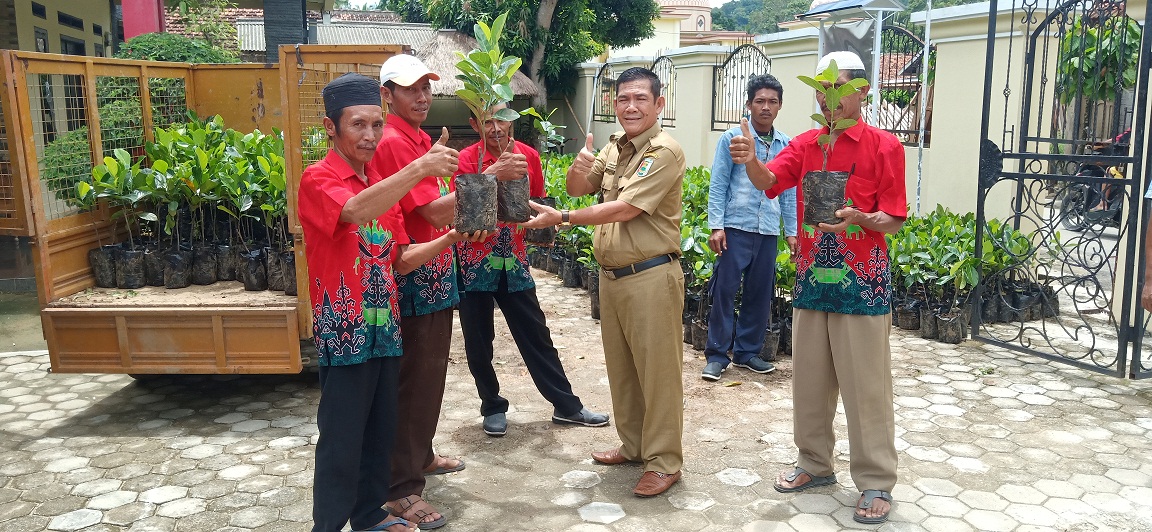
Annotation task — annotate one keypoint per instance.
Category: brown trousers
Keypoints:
(850, 355)
(640, 319)
(423, 369)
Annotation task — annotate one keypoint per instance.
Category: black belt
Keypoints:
(639, 266)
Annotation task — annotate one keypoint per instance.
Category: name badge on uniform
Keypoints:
(645, 166)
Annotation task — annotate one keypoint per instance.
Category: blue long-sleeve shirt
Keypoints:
(734, 202)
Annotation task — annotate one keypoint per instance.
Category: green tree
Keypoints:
(762, 16)
(555, 35)
(409, 10)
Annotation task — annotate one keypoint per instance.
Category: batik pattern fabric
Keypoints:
(431, 287)
(352, 284)
(482, 264)
(347, 331)
(845, 272)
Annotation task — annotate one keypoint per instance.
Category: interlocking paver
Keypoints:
(988, 440)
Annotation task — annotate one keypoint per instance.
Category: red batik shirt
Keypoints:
(432, 286)
(481, 263)
(845, 272)
(350, 279)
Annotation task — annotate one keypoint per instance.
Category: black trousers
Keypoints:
(357, 421)
(530, 331)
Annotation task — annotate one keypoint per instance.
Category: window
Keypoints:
(39, 11)
(97, 30)
(68, 20)
(41, 39)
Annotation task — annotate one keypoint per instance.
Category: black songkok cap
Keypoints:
(349, 90)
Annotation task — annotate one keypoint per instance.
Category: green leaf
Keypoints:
(498, 27)
(504, 92)
(819, 118)
(819, 87)
(844, 123)
(470, 97)
(507, 114)
(123, 157)
(824, 139)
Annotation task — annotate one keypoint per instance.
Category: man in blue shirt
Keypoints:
(745, 225)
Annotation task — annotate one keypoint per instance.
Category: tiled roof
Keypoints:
(174, 24)
(251, 33)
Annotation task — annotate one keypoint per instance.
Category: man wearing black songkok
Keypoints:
(355, 240)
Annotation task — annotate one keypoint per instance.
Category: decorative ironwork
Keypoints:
(901, 64)
(1065, 263)
(604, 95)
(730, 83)
(666, 71)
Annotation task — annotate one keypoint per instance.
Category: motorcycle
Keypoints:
(1096, 206)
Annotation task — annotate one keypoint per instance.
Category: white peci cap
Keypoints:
(844, 61)
(404, 70)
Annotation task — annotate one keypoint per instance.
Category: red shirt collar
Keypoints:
(416, 135)
(340, 167)
(853, 132)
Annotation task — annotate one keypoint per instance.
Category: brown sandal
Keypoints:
(417, 510)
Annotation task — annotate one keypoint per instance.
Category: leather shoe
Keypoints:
(495, 425)
(653, 483)
(583, 417)
(610, 457)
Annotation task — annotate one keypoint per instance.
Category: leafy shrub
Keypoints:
(173, 47)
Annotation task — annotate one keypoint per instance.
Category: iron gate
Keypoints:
(1064, 86)
(604, 95)
(666, 71)
(730, 84)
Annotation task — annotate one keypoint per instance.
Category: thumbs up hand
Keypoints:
(511, 165)
(440, 161)
(742, 147)
(583, 163)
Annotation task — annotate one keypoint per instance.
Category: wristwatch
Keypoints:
(564, 221)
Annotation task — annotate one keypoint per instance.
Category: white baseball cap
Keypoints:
(404, 70)
(844, 61)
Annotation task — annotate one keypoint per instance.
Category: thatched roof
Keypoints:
(439, 54)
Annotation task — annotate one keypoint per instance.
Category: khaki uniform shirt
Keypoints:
(646, 172)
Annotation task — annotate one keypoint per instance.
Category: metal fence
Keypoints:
(730, 81)
(666, 71)
(901, 63)
(604, 95)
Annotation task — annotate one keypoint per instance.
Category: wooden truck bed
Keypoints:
(218, 328)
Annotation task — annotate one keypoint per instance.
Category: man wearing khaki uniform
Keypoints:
(637, 244)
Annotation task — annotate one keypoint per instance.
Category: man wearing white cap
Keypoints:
(427, 294)
(842, 323)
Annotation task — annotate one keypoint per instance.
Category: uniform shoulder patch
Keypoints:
(645, 165)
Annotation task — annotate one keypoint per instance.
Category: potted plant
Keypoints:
(550, 141)
(487, 78)
(824, 190)
(122, 184)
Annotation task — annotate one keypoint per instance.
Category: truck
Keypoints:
(49, 100)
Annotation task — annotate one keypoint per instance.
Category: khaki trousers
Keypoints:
(640, 319)
(849, 354)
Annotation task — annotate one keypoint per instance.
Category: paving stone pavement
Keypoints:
(988, 440)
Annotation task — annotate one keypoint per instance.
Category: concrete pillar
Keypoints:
(289, 25)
